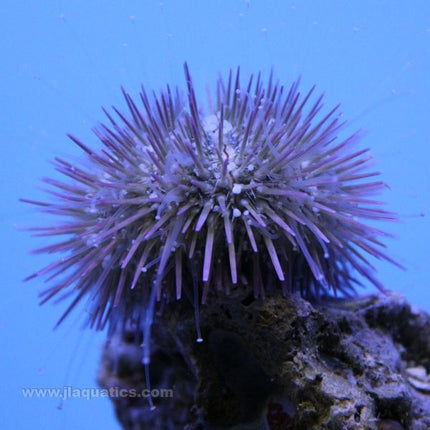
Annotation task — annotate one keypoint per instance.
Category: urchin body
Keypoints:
(257, 193)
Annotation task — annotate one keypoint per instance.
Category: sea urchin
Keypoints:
(259, 193)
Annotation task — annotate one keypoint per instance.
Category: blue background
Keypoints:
(62, 60)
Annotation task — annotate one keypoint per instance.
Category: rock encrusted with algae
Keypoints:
(281, 363)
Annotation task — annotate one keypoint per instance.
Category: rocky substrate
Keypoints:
(278, 363)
